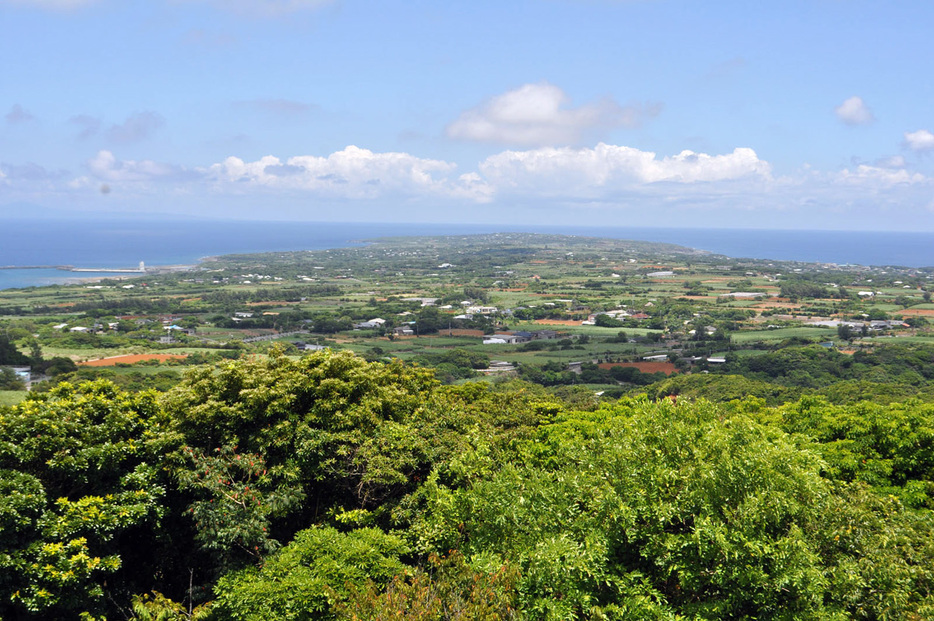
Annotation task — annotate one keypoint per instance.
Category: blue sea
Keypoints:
(124, 243)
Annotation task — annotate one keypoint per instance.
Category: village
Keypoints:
(565, 309)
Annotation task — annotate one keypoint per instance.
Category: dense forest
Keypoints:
(329, 487)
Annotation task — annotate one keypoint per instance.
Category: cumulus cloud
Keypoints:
(921, 140)
(602, 170)
(622, 182)
(350, 173)
(18, 114)
(854, 111)
(540, 114)
(136, 128)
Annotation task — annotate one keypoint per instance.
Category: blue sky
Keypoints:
(795, 114)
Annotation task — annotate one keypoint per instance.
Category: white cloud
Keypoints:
(605, 169)
(610, 183)
(539, 114)
(135, 128)
(105, 166)
(353, 173)
(895, 161)
(854, 111)
(866, 175)
(921, 140)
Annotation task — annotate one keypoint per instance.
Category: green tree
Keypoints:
(9, 380)
(9, 354)
(328, 429)
(664, 512)
(77, 471)
(305, 579)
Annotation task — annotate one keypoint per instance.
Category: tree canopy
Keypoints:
(328, 487)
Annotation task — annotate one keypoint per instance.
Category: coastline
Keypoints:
(177, 245)
(23, 277)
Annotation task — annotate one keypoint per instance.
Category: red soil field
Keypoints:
(130, 359)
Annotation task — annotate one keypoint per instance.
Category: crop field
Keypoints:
(780, 334)
(534, 283)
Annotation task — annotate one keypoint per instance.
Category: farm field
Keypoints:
(499, 285)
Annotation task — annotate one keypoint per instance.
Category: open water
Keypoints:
(124, 243)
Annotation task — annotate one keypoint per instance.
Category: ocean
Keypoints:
(124, 243)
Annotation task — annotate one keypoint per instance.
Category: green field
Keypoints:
(11, 397)
(780, 334)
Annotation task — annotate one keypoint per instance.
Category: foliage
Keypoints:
(721, 388)
(77, 471)
(659, 511)
(322, 422)
(158, 607)
(328, 487)
(235, 503)
(449, 590)
(9, 354)
(605, 321)
(814, 366)
(309, 576)
(9, 380)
